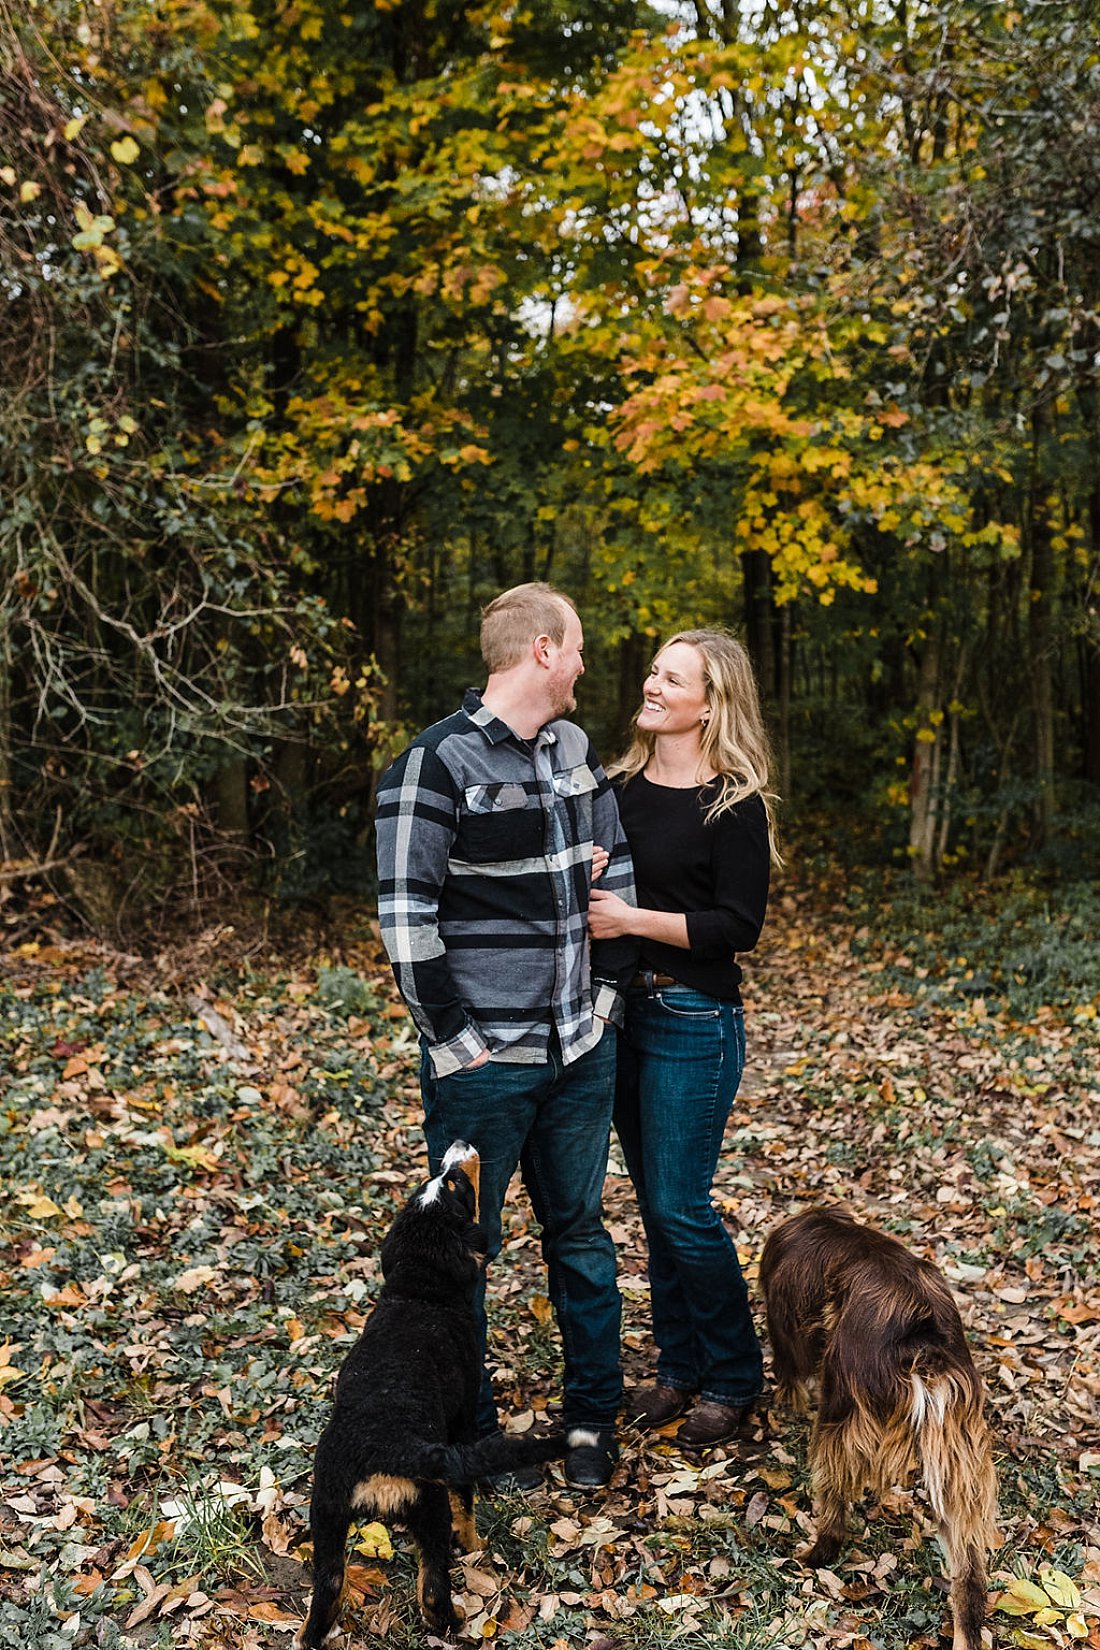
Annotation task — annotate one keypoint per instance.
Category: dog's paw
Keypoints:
(795, 1396)
(818, 1555)
(443, 1619)
(300, 1642)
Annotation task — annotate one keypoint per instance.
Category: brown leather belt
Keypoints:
(647, 980)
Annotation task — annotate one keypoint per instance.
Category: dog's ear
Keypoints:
(461, 1193)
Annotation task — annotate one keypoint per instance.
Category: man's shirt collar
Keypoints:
(497, 731)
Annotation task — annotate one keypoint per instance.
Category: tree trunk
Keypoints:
(7, 835)
(1091, 709)
(756, 572)
(229, 794)
(1040, 636)
(1090, 674)
(387, 642)
(634, 654)
(292, 771)
(924, 774)
(952, 775)
(785, 704)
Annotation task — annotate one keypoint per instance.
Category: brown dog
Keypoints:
(880, 1331)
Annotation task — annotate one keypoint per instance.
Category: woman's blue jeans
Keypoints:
(680, 1061)
(554, 1120)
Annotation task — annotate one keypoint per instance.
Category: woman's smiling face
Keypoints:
(674, 695)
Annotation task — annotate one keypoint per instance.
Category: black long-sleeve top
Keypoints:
(716, 874)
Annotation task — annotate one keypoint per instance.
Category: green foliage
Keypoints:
(346, 991)
(320, 328)
(1028, 944)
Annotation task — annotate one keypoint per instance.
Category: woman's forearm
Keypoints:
(666, 927)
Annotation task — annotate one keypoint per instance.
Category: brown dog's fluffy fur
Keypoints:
(879, 1330)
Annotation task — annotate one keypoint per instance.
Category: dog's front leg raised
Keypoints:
(428, 1519)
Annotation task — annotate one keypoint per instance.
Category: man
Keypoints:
(486, 826)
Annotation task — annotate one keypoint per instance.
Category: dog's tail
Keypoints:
(500, 1452)
(953, 1442)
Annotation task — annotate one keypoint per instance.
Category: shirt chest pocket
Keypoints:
(498, 822)
(576, 782)
(575, 789)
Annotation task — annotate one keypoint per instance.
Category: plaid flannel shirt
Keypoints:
(484, 867)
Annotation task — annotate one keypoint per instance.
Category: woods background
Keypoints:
(320, 325)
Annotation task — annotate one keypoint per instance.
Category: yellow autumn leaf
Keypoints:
(195, 1157)
(374, 1542)
(42, 1208)
(1022, 1598)
(8, 1371)
(1060, 1588)
(107, 262)
(1076, 1626)
(7, 175)
(146, 1544)
(125, 150)
(540, 1308)
(29, 191)
(73, 128)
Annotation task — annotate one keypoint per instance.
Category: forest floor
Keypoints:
(200, 1154)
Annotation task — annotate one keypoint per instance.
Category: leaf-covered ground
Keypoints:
(199, 1162)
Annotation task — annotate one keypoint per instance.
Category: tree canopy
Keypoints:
(320, 326)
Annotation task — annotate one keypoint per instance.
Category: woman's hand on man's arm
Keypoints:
(609, 917)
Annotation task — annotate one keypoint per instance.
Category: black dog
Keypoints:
(879, 1329)
(401, 1441)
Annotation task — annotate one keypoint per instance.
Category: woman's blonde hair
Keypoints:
(735, 740)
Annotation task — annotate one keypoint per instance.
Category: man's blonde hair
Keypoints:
(513, 619)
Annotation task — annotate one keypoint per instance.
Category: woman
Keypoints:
(692, 792)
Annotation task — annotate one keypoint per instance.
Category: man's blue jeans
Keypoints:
(555, 1121)
(680, 1061)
